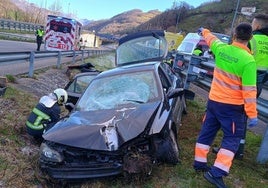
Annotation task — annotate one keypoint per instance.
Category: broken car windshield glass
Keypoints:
(108, 93)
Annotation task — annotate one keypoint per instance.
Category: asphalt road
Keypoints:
(17, 46)
(21, 67)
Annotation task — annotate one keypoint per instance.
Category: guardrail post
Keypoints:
(2, 24)
(73, 56)
(31, 64)
(82, 56)
(59, 59)
(8, 25)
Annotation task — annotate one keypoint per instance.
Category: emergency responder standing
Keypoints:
(39, 37)
(259, 47)
(232, 97)
(46, 113)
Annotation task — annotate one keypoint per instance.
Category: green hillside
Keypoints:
(217, 16)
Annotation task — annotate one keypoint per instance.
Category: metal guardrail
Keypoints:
(31, 56)
(199, 71)
(18, 26)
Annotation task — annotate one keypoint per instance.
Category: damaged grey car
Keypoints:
(127, 119)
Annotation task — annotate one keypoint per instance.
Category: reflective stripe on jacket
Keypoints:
(36, 119)
(234, 78)
(40, 32)
(259, 48)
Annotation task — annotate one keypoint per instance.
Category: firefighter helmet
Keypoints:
(61, 95)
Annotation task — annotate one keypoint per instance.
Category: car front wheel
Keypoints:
(167, 150)
(172, 155)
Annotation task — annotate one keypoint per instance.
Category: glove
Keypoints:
(200, 30)
(252, 122)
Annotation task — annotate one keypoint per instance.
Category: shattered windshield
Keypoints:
(143, 48)
(111, 92)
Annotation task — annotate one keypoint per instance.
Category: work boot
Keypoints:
(217, 181)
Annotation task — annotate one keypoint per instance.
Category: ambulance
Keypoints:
(62, 34)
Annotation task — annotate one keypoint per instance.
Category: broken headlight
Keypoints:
(50, 154)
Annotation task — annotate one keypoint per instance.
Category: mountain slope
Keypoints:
(125, 21)
(215, 15)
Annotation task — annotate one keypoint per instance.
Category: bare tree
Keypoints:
(5, 7)
(56, 7)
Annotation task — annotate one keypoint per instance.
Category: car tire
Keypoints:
(172, 155)
(179, 111)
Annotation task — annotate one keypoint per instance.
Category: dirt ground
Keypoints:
(44, 82)
(17, 153)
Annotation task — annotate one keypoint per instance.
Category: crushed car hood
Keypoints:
(98, 130)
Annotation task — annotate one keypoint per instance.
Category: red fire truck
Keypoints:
(62, 33)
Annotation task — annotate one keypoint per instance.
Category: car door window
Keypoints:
(166, 84)
(80, 84)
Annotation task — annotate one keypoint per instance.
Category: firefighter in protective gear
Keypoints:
(232, 97)
(46, 113)
(39, 37)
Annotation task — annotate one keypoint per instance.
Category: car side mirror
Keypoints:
(69, 106)
(179, 92)
(172, 93)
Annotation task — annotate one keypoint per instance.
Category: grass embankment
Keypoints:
(17, 35)
(19, 156)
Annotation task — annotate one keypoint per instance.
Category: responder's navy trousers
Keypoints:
(262, 77)
(231, 119)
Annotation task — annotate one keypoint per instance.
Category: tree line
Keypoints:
(30, 12)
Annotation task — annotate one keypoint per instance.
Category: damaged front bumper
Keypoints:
(76, 163)
(81, 171)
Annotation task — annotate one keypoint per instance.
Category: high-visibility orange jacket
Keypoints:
(234, 78)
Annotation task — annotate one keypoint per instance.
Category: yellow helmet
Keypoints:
(61, 95)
